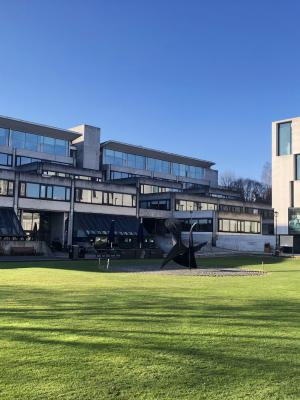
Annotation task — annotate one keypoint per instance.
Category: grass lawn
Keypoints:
(68, 331)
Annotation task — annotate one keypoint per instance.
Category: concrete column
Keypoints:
(215, 228)
(16, 192)
(71, 215)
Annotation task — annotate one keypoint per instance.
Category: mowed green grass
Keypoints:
(68, 331)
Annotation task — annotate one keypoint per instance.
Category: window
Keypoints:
(39, 191)
(146, 189)
(20, 160)
(59, 193)
(5, 159)
(284, 138)
(108, 198)
(18, 139)
(6, 188)
(33, 190)
(162, 204)
(203, 225)
(184, 205)
(32, 142)
(96, 197)
(61, 147)
(230, 208)
(48, 145)
(238, 226)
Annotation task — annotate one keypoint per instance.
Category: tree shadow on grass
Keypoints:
(188, 337)
(148, 265)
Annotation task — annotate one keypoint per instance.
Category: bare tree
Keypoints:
(228, 179)
(266, 175)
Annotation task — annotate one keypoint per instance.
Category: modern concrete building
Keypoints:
(286, 178)
(63, 186)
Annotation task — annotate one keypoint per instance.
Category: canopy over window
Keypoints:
(10, 226)
(99, 224)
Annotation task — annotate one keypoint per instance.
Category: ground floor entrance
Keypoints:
(45, 226)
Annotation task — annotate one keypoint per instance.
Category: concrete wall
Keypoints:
(39, 247)
(99, 209)
(235, 242)
(283, 173)
(244, 242)
(89, 144)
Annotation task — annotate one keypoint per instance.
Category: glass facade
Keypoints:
(151, 164)
(47, 192)
(186, 205)
(294, 221)
(162, 204)
(6, 188)
(105, 198)
(238, 226)
(33, 142)
(4, 137)
(284, 138)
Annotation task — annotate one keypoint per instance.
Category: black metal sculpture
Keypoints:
(180, 253)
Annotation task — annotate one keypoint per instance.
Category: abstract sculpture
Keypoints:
(180, 253)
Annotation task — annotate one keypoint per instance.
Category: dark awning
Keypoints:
(10, 226)
(99, 224)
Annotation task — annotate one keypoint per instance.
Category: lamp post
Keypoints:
(276, 236)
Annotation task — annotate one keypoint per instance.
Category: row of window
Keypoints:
(41, 191)
(238, 226)
(66, 175)
(148, 189)
(121, 175)
(230, 208)
(266, 214)
(30, 141)
(151, 164)
(186, 205)
(203, 225)
(106, 198)
(6, 159)
(162, 204)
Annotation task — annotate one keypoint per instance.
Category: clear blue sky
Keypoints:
(202, 78)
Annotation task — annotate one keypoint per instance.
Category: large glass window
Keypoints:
(33, 190)
(18, 139)
(59, 193)
(61, 147)
(284, 138)
(4, 135)
(32, 142)
(48, 145)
